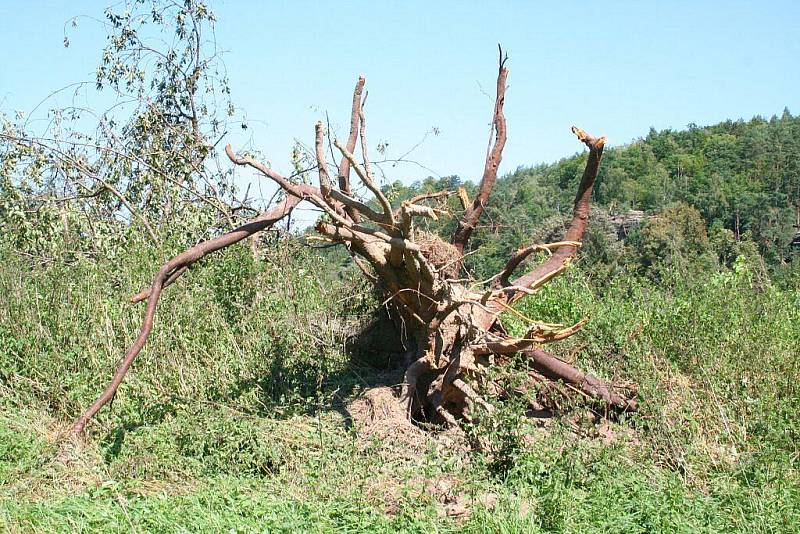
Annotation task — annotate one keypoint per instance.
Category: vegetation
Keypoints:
(252, 406)
(235, 417)
(741, 176)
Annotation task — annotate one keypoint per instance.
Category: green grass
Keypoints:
(232, 417)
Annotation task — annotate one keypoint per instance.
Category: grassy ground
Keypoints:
(234, 417)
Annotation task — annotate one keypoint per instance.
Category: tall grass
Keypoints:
(234, 414)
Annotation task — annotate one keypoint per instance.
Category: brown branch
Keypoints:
(539, 334)
(174, 265)
(302, 191)
(365, 177)
(580, 220)
(408, 211)
(384, 202)
(471, 394)
(521, 254)
(355, 206)
(344, 166)
(555, 369)
(412, 375)
(373, 249)
(364, 269)
(473, 213)
(322, 166)
(426, 196)
(144, 294)
(399, 242)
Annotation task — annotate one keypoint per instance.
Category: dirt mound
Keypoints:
(379, 419)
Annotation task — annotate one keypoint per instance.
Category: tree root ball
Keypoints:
(444, 256)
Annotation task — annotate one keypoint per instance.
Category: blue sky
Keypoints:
(613, 68)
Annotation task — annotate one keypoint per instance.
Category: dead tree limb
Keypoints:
(552, 367)
(473, 213)
(559, 261)
(452, 326)
(169, 273)
(344, 166)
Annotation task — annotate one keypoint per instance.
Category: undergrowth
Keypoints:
(235, 415)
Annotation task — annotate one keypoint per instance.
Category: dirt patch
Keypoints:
(453, 501)
(380, 420)
(446, 492)
(384, 429)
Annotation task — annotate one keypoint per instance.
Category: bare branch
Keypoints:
(540, 333)
(425, 196)
(384, 202)
(367, 180)
(553, 368)
(358, 206)
(355, 206)
(519, 256)
(144, 294)
(322, 167)
(580, 219)
(302, 191)
(177, 263)
(344, 166)
(473, 213)
(408, 211)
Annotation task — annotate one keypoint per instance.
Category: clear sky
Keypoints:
(613, 68)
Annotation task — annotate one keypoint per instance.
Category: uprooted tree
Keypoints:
(450, 324)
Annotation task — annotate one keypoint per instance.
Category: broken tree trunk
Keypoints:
(451, 326)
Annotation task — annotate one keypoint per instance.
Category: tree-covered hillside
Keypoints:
(743, 176)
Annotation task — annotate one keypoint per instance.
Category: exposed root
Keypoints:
(409, 396)
(555, 369)
(471, 395)
(451, 326)
(441, 254)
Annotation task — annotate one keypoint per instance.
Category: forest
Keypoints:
(382, 369)
(737, 181)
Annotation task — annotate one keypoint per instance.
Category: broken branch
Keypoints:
(181, 261)
(473, 213)
(580, 220)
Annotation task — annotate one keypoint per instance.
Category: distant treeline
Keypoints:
(741, 176)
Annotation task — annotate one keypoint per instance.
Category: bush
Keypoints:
(674, 241)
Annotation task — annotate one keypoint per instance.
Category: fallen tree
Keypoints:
(450, 324)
